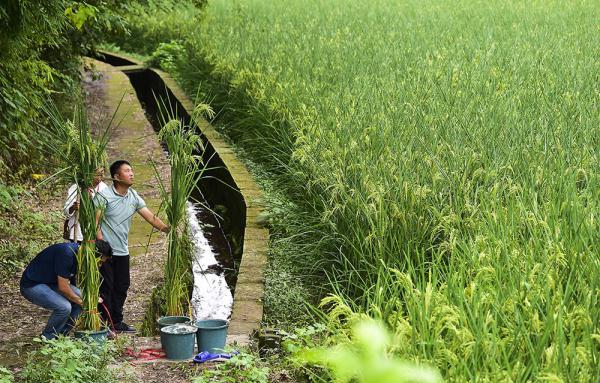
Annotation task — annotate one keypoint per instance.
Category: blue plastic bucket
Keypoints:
(97, 336)
(178, 345)
(170, 320)
(211, 335)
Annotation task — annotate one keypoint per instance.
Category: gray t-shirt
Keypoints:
(116, 220)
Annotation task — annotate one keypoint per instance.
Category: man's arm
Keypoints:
(71, 203)
(98, 218)
(64, 286)
(153, 220)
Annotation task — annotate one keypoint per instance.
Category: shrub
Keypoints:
(366, 358)
(69, 360)
(244, 367)
(40, 46)
(6, 376)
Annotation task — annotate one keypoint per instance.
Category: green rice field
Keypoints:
(451, 149)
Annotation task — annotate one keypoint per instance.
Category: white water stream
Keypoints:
(211, 297)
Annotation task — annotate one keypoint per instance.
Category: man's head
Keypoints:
(121, 172)
(98, 176)
(103, 250)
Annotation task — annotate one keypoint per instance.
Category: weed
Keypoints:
(6, 376)
(366, 359)
(69, 360)
(244, 367)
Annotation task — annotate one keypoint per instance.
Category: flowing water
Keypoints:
(211, 297)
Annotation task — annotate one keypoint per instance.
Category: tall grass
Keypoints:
(444, 156)
(187, 166)
(70, 141)
(451, 149)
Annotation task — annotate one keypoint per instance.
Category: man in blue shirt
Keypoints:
(46, 283)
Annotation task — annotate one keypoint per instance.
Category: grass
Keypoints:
(442, 163)
(70, 141)
(187, 167)
(451, 149)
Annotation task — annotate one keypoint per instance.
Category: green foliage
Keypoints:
(79, 14)
(366, 358)
(307, 337)
(69, 360)
(441, 169)
(187, 167)
(244, 367)
(28, 29)
(154, 22)
(23, 230)
(6, 376)
(166, 55)
(40, 45)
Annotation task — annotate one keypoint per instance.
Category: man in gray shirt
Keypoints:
(116, 206)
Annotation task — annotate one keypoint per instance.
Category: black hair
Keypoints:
(115, 166)
(103, 248)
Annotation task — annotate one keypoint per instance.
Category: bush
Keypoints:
(19, 217)
(69, 360)
(6, 376)
(244, 367)
(40, 45)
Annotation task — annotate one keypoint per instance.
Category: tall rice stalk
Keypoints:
(187, 166)
(72, 144)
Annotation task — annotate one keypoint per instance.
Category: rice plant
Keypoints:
(449, 150)
(443, 156)
(70, 142)
(185, 149)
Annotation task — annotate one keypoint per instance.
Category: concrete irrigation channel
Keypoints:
(238, 241)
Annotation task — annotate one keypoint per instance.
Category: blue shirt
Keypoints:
(116, 220)
(58, 260)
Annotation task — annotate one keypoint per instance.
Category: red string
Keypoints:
(145, 355)
(112, 325)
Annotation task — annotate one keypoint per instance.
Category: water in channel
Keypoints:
(211, 297)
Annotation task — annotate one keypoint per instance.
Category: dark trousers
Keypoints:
(113, 290)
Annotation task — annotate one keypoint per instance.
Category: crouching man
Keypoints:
(46, 283)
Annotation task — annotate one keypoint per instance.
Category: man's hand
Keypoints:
(64, 287)
(74, 207)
